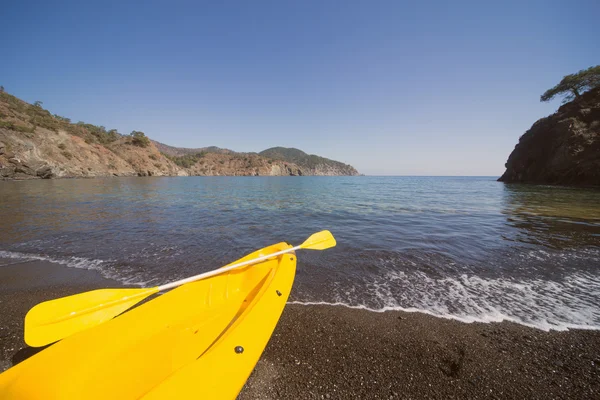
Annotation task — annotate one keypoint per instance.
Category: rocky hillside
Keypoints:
(563, 148)
(309, 163)
(37, 144)
(183, 151)
(294, 161)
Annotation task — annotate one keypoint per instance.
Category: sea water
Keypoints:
(467, 248)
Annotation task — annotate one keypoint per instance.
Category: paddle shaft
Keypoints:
(219, 271)
(175, 284)
(56, 319)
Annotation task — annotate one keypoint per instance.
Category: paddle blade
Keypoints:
(319, 241)
(53, 320)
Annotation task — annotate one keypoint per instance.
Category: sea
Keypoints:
(466, 248)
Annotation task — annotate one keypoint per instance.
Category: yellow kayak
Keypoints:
(199, 341)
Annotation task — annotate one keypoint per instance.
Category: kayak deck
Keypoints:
(201, 340)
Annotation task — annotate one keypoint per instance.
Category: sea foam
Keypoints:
(107, 268)
(543, 304)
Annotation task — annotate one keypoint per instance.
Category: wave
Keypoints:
(465, 319)
(564, 301)
(571, 303)
(107, 268)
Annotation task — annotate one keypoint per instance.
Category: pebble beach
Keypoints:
(333, 352)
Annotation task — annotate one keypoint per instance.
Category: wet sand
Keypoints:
(340, 353)
(24, 284)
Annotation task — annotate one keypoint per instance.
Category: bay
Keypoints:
(468, 248)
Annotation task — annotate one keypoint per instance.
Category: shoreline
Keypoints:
(324, 351)
(462, 320)
(37, 178)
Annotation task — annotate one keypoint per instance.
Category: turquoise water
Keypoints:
(468, 248)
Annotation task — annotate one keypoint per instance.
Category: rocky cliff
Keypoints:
(563, 148)
(36, 144)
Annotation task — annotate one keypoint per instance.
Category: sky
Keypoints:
(390, 87)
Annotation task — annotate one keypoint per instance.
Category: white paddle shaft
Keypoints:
(224, 269)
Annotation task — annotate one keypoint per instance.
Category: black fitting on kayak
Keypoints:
(278, 292)
(239, 349)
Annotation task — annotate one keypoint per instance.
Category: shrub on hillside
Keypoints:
(99, 133)
(186, 161)
(62, 119)
(139, 139)
(16, 127)
(41, 117)
(37, 116)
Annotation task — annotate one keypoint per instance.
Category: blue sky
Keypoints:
(391, 87)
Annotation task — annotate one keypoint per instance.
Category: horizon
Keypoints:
(389, 88)
(361, 174)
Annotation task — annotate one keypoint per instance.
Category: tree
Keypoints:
(38, 104)
(574, 85)
(1, 89)
(139, 139)
(63, 119)
(113, 135)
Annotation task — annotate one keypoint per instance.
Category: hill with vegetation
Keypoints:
(183, 151)
(34, 143)
(313, 164)
(563, 148)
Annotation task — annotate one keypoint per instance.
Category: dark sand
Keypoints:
(340, 353)
(25, 284)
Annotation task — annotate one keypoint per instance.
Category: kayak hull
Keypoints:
(201, 340)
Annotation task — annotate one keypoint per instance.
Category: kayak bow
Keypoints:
(200, 340)
(56, 319)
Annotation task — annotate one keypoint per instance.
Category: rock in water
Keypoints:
(45, 172)
(563, 148)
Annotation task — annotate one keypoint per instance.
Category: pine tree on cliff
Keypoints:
(574, 85)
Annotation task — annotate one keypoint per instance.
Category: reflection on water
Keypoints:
(551, 201)
(456, 246)
(558, 217)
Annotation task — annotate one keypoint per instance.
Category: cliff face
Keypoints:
(37, 144)
(563, 148)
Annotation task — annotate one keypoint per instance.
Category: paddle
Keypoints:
(56, 319)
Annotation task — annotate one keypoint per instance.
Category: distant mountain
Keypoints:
(312, 164)
(296, 160)
(182, 151)
(35, 143)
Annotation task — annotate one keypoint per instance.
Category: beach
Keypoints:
(335, 352)
(341, 353)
